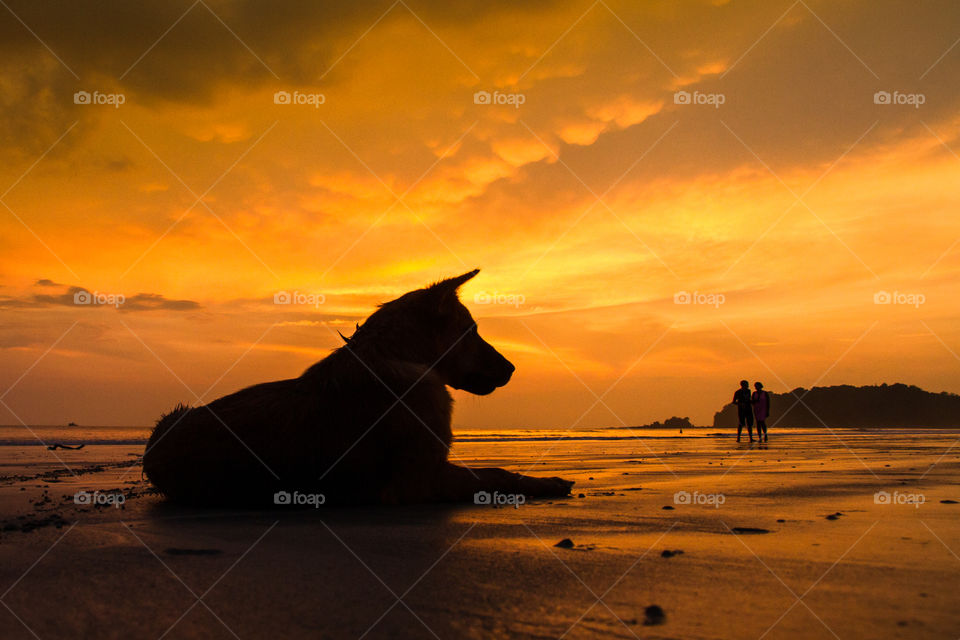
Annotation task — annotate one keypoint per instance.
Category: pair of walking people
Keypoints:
(752, 405)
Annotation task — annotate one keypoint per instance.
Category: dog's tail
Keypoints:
(155, 457)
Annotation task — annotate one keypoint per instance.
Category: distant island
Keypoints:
(894, 405)
(670, 423)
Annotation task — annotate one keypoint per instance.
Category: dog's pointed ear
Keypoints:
(446, 290)
(452, 284)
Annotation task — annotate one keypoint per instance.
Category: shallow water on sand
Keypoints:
(845, 533)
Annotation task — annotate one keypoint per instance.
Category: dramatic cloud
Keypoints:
(779, 163)
(80, 297)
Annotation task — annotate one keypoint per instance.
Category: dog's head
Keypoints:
(432, 327)
(465, 360)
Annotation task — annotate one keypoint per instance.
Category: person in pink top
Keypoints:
(761, 409)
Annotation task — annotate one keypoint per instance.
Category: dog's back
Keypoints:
(335, 430)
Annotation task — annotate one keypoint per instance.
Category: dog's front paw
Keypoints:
(545, 487)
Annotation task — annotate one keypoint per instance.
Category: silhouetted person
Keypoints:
(761, 409)
(744, 409)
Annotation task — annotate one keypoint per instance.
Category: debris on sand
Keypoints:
(26, 525)
(174, 551)
(749, 530)
(653, 615)
(566, 543)
(669, 553)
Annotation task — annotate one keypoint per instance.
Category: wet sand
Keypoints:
(785, 541)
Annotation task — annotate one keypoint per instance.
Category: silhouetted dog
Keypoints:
(369, 423)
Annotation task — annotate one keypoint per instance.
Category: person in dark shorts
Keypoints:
(761, 409)
(744, 404)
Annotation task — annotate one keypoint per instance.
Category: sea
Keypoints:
(46, 435)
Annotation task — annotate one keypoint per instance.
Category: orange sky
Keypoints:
(783, 194)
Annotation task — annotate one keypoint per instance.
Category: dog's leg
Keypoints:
(460, 484)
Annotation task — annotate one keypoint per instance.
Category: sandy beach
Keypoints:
(786, 540)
